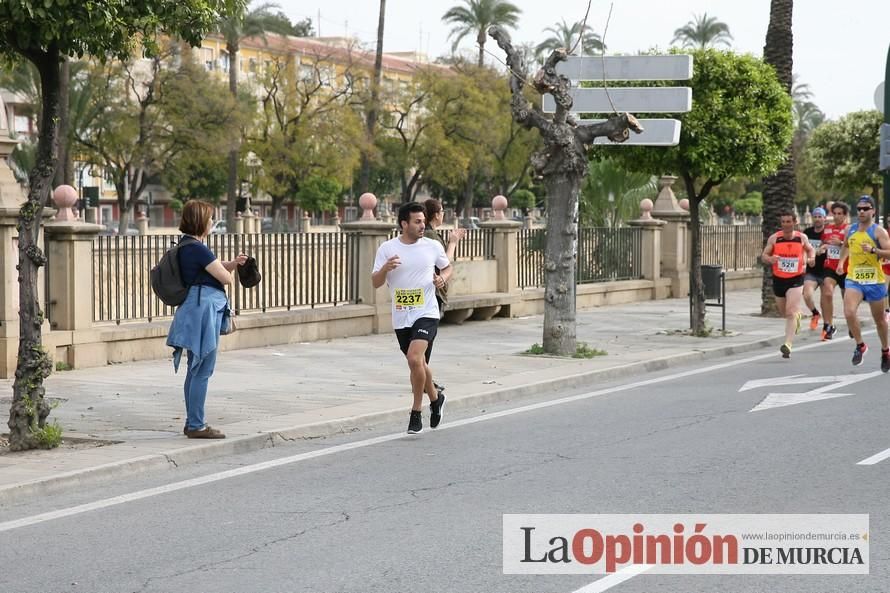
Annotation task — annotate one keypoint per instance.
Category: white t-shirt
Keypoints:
(411, 284)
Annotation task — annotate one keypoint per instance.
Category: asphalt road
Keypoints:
(386, 512)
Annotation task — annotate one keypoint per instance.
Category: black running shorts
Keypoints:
(783, 285)
(423, 329)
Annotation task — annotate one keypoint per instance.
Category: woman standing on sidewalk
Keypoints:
(199, 319)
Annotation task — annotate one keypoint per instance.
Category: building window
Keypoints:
(207, 58)
(223, 61)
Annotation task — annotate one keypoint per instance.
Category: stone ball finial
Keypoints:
(646, 206)
(684, 204)
(498, 206)
(64, 198)
(367, 201)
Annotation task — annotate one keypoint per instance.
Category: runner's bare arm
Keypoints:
(883, 240)
(767, 255)
(845, 252)
(810, 250)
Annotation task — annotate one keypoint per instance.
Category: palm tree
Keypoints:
(778, 189)
(563, 35)
(476, 17)
(703, 31)
(234, 29)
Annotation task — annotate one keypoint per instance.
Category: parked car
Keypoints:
(470, 223)
(220, 228)
(112, 229)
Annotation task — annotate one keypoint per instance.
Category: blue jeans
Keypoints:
(199, 372)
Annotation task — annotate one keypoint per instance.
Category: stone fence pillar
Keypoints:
(70, 269)
(675, 238)
(505, 252)
(651, 229)
(371, 234)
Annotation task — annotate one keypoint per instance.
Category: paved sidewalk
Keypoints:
(261, 395)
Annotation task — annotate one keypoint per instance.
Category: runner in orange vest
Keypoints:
(788, 252)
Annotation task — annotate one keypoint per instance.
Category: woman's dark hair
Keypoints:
(406, 210)
(196, 216)
(431, 207)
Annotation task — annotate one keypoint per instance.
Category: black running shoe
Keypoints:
(436, 409)
(415, 423)
(829, 333)
(858, 353)
(785, 350)
(885, 361)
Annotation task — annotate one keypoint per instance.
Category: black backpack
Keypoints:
(166, 278)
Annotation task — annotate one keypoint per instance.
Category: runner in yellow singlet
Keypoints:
(866, 243)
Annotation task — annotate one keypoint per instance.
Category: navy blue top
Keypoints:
(194, 256)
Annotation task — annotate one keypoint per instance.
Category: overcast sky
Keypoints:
(840, 48)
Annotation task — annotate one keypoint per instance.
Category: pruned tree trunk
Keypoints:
(560, 258)
(29, 410)
(778, 189)
(563, 165)
(371, 123)
(232, 180)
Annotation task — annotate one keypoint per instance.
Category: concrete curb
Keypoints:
(246, 444)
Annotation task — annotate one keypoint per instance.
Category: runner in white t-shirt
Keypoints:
(407, 264)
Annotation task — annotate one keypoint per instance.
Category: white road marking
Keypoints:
(249, 469)
(778, 400)
(613, 579)
(876, 458)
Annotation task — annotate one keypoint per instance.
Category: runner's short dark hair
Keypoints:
(784, 213)
(840, 205)
(406, 210)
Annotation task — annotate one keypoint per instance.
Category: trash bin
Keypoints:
(710, 277)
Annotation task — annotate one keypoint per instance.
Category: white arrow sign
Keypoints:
(778, 400)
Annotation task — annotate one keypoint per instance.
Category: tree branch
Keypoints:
(523, 112)
(617, 129)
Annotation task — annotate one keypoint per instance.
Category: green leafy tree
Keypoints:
(844, 153)
(307, 127)
(279, 23)
(739, 126)
(611, 194)
(564, 35)
(319, 194)
(143, 117)
(703, 31)
(524, 199)
(779, 190)
(196, 174)
(44, 32)
(475, 17)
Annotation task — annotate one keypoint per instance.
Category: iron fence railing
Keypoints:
(604, 254)
(734, 247)
(477, 244)
(298, 269)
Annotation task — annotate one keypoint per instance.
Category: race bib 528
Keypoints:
(789, 265)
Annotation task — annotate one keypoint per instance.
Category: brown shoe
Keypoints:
(205, 433)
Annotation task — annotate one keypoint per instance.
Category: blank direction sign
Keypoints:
(656, 132)
(633, 100)
(627, 68)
